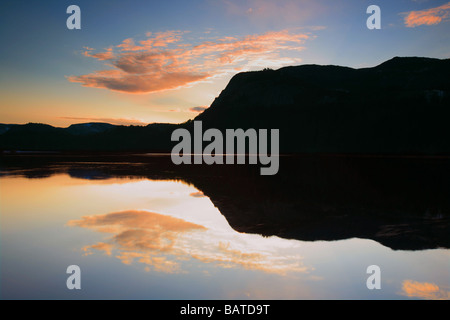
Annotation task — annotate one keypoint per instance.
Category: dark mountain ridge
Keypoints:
(398, 107)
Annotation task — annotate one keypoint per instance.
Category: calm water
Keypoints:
(143, 230)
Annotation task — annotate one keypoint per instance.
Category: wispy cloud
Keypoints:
(101, 246)
(154, 40)
(106, 55)
(428, 17)
(147, 236)
(164, 61)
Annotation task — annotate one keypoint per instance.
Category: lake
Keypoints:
(140, 227)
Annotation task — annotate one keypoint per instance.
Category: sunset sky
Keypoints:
(139, 62)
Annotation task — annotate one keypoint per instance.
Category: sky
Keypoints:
(139, 62)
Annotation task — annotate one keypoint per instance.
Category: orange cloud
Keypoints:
(424, 290)
(158, 39)
(128, 45)
(101, 246)
(160, 264)
(129, 83)
(107, 55)
(270, 42)
(428, 16)
(143, 220)
(164, 62)
(227, 257)
(163, 242)
(147, 236)
(162, 39)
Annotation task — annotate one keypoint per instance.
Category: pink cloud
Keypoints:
(428, 16)
(162, 243)
(154, 40)
(270, 42)
(145, 83)
(107, 55)
(101, 246)
(164, 62)
(162, 39)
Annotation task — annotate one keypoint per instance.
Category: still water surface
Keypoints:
(141, 238)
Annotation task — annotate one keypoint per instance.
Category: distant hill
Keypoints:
(5, 127)
(89, 128)
(86, 137)
(401, 106)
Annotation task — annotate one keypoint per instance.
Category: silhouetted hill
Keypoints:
(398, 107)
(87, 137)
(5, 127)
(89, 128)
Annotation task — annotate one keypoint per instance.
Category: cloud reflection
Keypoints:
(424, 290)
(198, 194)
(162, 243)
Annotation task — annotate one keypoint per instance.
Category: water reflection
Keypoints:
(166, 243)
(424, 290)
(401, 203)
(310, 232)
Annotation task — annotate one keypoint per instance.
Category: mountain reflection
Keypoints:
(401, 203)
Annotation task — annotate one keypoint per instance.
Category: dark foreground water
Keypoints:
(141, 228)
